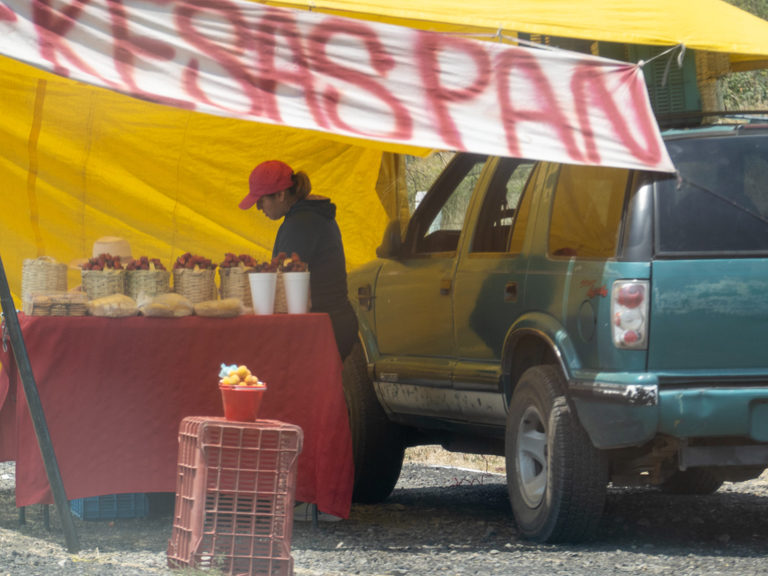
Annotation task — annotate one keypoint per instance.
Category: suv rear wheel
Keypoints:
(378, 447)
(557, 480)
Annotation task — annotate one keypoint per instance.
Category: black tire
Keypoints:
(698, 481)
(557, 480)
(377, 444)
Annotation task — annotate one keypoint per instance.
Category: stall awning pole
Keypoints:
(36, 411)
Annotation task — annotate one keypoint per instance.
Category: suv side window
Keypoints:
(587, 211)
(436, 225)
(523, 213)
(497, 215)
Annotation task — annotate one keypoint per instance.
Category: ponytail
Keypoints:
(301, 186)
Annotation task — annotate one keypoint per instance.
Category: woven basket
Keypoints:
(195, 285)
(41, 275)
(100, 283)
(233, 283)
(147, 282)
(709, 67)
(281, 303)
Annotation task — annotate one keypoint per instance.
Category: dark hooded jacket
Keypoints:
(310, 230)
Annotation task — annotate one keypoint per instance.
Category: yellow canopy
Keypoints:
(79, 162)
(709, 25)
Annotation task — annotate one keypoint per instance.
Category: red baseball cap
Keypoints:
(267, 178)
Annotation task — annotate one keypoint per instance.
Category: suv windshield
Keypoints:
(720, 201)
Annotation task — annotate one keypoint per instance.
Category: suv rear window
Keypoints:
(720, 201)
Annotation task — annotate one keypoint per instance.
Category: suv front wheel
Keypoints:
(557, 480)
(378, 447)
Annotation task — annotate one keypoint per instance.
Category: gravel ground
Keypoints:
(439, 521)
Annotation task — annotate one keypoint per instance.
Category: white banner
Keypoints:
(344, 76)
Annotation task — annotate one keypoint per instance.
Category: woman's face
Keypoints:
(273, 205)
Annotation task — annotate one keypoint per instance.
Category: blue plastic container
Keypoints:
(111, 507)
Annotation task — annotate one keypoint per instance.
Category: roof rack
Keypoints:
(701, 118)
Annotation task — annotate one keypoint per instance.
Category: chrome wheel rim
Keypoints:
(532, 457)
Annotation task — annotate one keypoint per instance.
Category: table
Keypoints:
(114, 391)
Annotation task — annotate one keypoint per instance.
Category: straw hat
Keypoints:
(112, 245)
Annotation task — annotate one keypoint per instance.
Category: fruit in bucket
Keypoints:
(239, 376)
(241, 393)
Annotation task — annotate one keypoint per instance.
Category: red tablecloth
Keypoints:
(114, 392)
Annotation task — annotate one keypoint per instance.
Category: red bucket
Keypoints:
(241, 403)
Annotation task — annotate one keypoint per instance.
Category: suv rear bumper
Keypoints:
(616, 409)
(626, 409)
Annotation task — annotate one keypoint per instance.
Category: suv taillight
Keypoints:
(629, 311)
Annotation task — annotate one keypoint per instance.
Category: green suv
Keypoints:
(591, 324)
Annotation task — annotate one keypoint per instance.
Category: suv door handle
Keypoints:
(510, 292)
(445, 286)
(364, 296)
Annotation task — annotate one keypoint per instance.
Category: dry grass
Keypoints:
(438, 456)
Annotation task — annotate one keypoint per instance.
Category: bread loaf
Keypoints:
(168, 305)
(113, 306)
(226, 308)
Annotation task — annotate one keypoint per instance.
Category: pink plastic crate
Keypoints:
(234, 496)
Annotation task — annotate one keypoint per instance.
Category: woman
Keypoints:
(309, 229)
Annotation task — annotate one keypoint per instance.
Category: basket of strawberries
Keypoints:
(233, 277)
(146, 277)
(103, 275)
(194, 277)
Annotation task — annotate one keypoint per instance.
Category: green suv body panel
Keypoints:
(710, 315)
(509, 264)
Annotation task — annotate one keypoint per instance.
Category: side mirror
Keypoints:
(391, 243)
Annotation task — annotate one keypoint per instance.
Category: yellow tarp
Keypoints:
(78, 163)
(709, 25)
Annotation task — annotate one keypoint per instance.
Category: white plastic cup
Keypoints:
(296, 292)
(263, 291)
